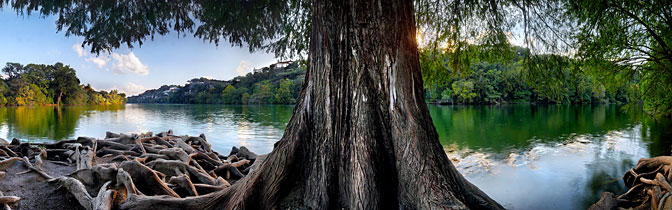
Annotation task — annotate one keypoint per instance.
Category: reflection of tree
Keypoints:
(608, 165)
(276, 116)
(46, 122)
(502, 127)
(35, 122)
(658, 133)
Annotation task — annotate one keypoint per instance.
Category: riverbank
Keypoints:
(89, 173)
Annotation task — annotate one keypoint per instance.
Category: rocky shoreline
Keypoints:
(89, 173)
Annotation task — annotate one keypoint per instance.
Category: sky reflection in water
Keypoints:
(548, 157)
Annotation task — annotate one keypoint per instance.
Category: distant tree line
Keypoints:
(39, 84)
(269, 85)
(507, 79)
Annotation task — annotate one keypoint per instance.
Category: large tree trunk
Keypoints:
(360, 136)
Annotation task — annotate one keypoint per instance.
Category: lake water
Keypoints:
(523, 156)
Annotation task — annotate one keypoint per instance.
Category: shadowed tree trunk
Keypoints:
(360, 136)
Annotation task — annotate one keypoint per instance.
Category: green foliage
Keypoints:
(31, 95)
(463, 90)
(245, 98)
(628, 40)
(230, 95)
(283, 93)
(447, 95)
(3, 100)
(276, 84)
(239, 22)
(263, 93)
(617, 50)
(62, 81)
(114, 97)
(39, 84)
(494, 81)
(96, 99)
(615, 42)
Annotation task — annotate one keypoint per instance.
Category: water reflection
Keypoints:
(45, 122)
(499, 128)
(548, 157)
(526, 157)
(257, 127)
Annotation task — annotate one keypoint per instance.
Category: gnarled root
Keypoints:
(6, 201)
(649, 184)
(133, 171)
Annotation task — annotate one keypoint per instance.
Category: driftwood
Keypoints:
(649, 184)
(120, 170)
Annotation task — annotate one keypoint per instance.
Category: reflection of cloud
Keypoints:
(244, 132)
(128, 64)
(243, 68)
(469, 161)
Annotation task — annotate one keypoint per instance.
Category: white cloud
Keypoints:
(243, 68)
(133, 89)
(128, 64)
(129, 89)
(122, 63)
(79, 49)
(100, 62)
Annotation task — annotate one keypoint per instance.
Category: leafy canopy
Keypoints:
(268, 25)
(619, 40)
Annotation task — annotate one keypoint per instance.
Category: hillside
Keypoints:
(500, 81)
(276, 84)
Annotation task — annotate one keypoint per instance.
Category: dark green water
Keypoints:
(525, 157)
(548, 157)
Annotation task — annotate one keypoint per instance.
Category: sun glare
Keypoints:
(419, 38)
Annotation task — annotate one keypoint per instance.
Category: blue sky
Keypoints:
(165, 60)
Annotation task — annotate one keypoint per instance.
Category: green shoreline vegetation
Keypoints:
(277, 84)
(39, 84)
(507, 77)
(502, 80)
(489, 81)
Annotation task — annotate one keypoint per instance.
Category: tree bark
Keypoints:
(360, 136)
(58, 101)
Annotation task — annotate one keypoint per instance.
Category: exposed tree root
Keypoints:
(6, 201)
(649, 184)
(132, 171)
(9, 199)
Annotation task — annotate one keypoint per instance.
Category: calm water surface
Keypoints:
(525, 157)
